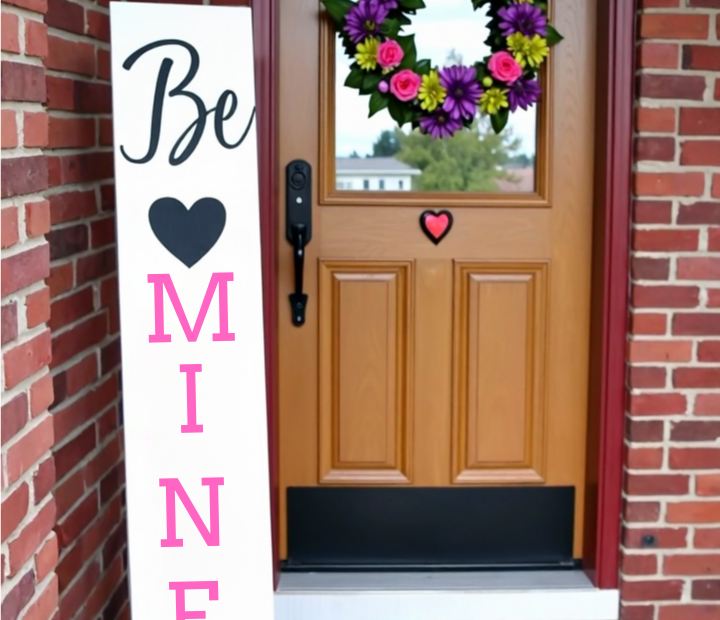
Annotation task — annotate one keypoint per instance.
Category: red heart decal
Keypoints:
(436, 225)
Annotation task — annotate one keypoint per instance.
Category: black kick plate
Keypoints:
(371, 528)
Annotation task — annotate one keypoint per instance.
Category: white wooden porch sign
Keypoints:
(191, 312)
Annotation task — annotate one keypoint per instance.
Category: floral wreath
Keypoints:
(441, 101)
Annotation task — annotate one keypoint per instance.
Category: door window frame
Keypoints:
(609, 307)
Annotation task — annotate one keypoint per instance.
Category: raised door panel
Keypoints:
(364, 368)
(499, 395)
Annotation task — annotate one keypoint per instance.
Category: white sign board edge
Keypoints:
(230, 387)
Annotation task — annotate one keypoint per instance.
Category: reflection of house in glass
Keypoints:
(523, 179)
(373, 173)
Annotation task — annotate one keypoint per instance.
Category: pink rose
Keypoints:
(389, 54)
(405, 85)
(504, 67)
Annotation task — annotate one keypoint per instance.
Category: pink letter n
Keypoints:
(217, 280)
(173, 487)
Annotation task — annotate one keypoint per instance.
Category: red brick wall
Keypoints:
(84, 315)
(671, 540)
(29, 545)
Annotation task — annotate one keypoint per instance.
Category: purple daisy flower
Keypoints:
(524, 18)
(463, 91)
(364, 19)
(440, 125)
(523, 93)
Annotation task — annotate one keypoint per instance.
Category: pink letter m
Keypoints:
(173, 487)
(217, 280)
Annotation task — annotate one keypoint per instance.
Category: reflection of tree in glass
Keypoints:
(470, 161)
(386, 145)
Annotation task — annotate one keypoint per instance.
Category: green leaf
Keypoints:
(412, 116)
(370, 83)
(423, 67)
(553, 36)
(481, 69)
(499, 120)
(378, 101)
(337, 9)
(412, 4)
(397, 110)
(410, 52)
(390, 27)
(355, 77)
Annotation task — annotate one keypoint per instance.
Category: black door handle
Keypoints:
(298, 229)
(298, 299)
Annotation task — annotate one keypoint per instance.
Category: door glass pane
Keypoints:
(373, 154)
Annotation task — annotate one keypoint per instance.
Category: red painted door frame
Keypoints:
(615, 96)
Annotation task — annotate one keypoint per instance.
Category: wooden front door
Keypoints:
(461, 365)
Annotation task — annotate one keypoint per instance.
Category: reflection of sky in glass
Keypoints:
(443, 26)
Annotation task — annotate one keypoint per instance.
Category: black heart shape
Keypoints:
(188, 234)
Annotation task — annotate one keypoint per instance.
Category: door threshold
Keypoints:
(489, 595)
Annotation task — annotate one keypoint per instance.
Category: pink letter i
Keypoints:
(192, 426)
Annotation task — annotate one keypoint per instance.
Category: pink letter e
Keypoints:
(180, 586)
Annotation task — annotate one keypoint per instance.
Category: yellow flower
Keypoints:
(493, 99)
(367, 54)
(526, 50)
(431, 93)
(537, 51)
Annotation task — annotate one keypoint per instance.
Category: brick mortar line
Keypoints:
(20, 106)
(88, 389)
(75, 77)
(117, 492)
(36, 331)
(89, 252)
(673, 418)
(11, 582)
(27, 475)
(20, 150)
(80, 428)
(101, 509)
(40, 587)
(77, 288)
(77, 187)
(92, 219)
(21, 59)
(80, 465)
(677, 444)
(74, 37)
(71, 114)
(95, 489)
(681, 72)
(34, 510)
(79, 150)
(19, 248)
(81, 287)
(667, 102)
(672, 166)
(21, 11)
(17, 201)
(30, 426)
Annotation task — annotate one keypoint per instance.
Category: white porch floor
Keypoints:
(521, 595)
